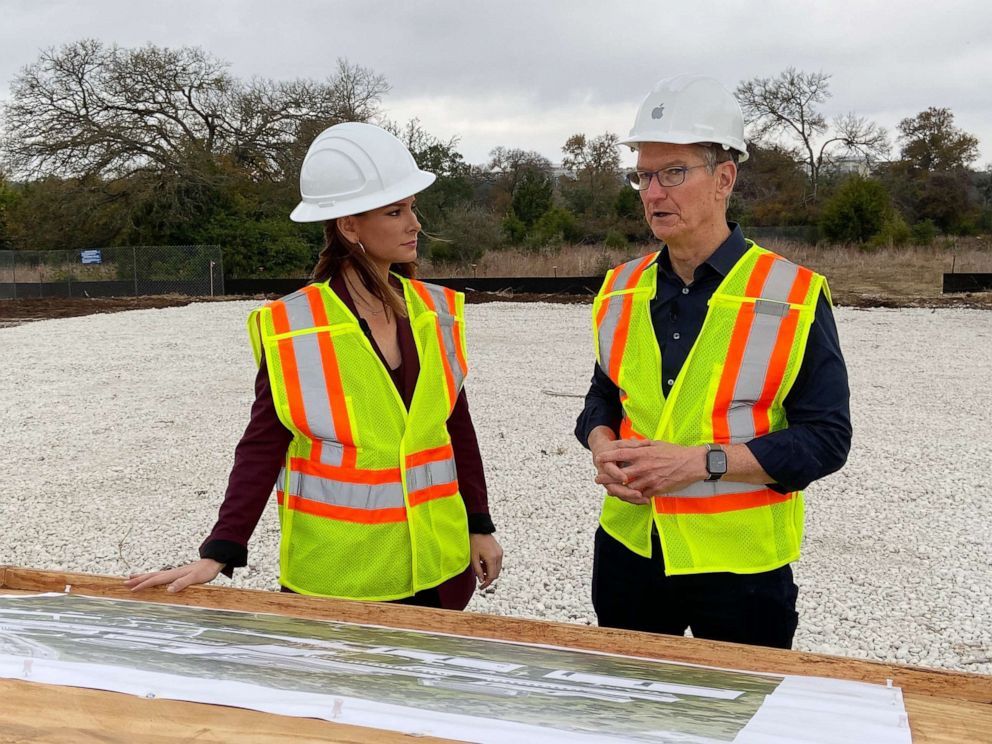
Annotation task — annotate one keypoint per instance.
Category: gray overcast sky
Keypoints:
(527, 73)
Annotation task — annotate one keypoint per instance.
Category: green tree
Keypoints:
(629, 219)
(453, 186)
(932, 180)
(930, 142)
(468, 233)
(857, 211)
(65, 214)
(787, 105)
(7, 197)
(506, 168)
(770, 188)
(532, 196)
(556, 226)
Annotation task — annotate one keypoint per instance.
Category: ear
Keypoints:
(726, 178)
(348, 226)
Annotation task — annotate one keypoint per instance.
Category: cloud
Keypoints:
(528, 74)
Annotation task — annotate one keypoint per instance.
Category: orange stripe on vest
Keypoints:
(332, 379)
(431, 455)
(716, 504)
(437, 491)
(343, 513)
(346, 474)
(291, 373)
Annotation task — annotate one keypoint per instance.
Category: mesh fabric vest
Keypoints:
(730, 390)
(369, 505)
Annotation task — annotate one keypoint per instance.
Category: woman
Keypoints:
(359, 418)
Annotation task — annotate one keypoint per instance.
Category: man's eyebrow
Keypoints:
(680, 163)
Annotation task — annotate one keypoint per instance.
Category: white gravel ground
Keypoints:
(118, 432)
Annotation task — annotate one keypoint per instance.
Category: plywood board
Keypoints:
(935, 700)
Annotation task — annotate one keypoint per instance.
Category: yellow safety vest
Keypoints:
(369, 505)
(730, 390)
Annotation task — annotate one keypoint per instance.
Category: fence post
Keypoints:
(211, 278)
(13, 270)
(134, 268)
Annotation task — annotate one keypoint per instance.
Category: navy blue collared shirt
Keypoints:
(818, 437)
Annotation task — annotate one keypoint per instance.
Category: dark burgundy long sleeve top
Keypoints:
(261, 452)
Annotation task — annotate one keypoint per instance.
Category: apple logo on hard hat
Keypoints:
(658, 111)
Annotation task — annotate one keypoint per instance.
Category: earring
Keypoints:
(361, 246)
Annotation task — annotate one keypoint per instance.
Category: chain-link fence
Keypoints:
(113, 272)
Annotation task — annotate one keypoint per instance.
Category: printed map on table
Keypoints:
(422, 683)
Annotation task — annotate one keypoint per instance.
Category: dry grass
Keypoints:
(907, 272)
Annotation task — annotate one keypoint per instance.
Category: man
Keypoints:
(719, 394)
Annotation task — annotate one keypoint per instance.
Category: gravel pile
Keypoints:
(118, 432)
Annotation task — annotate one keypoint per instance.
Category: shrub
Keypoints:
(514, 229)
(857, 211)
(468, 232)
(554, 227)
(894, 232)
(615, 239)
(923, 232)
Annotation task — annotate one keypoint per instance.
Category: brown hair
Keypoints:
(338, 252)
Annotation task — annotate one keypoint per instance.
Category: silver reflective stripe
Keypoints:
(312, 377)
(769, 313)
(767, 307)
(431, 474)
(313, 388)
(705, 489)
(624, 272)
(447, 323)
(779, 282)
(608, 331)
(331, 453)
(298, 311)
(614, 305)
(751, 376)
(352, 495)
(294, 481)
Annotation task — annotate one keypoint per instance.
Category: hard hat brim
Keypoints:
(675, 139)
(332, 209)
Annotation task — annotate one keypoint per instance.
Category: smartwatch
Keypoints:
(716, 462)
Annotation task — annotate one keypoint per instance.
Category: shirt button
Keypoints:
(676, 336)
(671, 382)
(685, 290)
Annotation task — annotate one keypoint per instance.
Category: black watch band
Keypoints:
(716, 462)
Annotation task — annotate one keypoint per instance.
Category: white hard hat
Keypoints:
(353, 167)
(689, 109)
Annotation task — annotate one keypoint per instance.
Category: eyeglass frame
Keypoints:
(683, 169)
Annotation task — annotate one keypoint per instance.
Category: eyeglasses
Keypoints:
(667, 177)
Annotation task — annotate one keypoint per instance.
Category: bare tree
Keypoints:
(88, 109)
(787, 105)
(595, 164)
(91, 110)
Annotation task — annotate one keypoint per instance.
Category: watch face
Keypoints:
(716, 462)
